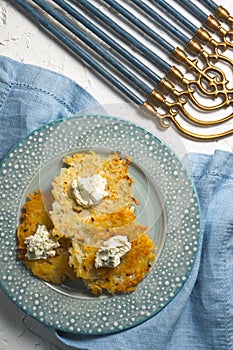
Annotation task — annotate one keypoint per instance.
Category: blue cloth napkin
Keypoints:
(31, 97)
(200, 317)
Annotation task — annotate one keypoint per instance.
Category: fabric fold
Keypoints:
(201, 315)
(31, 97)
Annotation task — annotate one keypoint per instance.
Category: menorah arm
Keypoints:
(166, 120)
(224, 15)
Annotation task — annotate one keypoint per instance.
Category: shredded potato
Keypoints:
(55, 269)
(81, 231)
(121, 279)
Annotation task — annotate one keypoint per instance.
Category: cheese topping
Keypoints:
(40, 245)
(111, 252)
(89, 191)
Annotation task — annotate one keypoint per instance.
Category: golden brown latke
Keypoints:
(125, 277)
(34, 214)
(81, 231)
(114, 210)
(55, 269)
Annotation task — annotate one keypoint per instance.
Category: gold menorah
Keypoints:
(196, 97)
(209, 81)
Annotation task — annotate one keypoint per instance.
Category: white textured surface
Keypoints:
(22, 40)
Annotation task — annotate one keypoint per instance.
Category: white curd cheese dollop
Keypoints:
(40, 245)
(89, 191)
(111, 252)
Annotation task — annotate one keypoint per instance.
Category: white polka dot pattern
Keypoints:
(20, 173)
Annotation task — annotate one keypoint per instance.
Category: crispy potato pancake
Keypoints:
(55, 269)
(119, 188)
(121, 279)
(119, 218)
(82, 230)
(34, 214)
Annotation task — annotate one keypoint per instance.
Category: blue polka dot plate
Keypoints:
(168, 205)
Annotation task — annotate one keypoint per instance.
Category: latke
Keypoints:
(119, 186)
(121, 279)
(81, 231)
(55, 269)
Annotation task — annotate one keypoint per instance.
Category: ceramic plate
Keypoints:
(168, 205)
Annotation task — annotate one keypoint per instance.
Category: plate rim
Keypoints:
(118, 120)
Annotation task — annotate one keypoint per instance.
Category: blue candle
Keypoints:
(94, 46)
(107, 39)
(164, 23)
(177, 15)
(81, 53)
(124, 34)
(210, 5)
(194, 10)
(139, 24)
